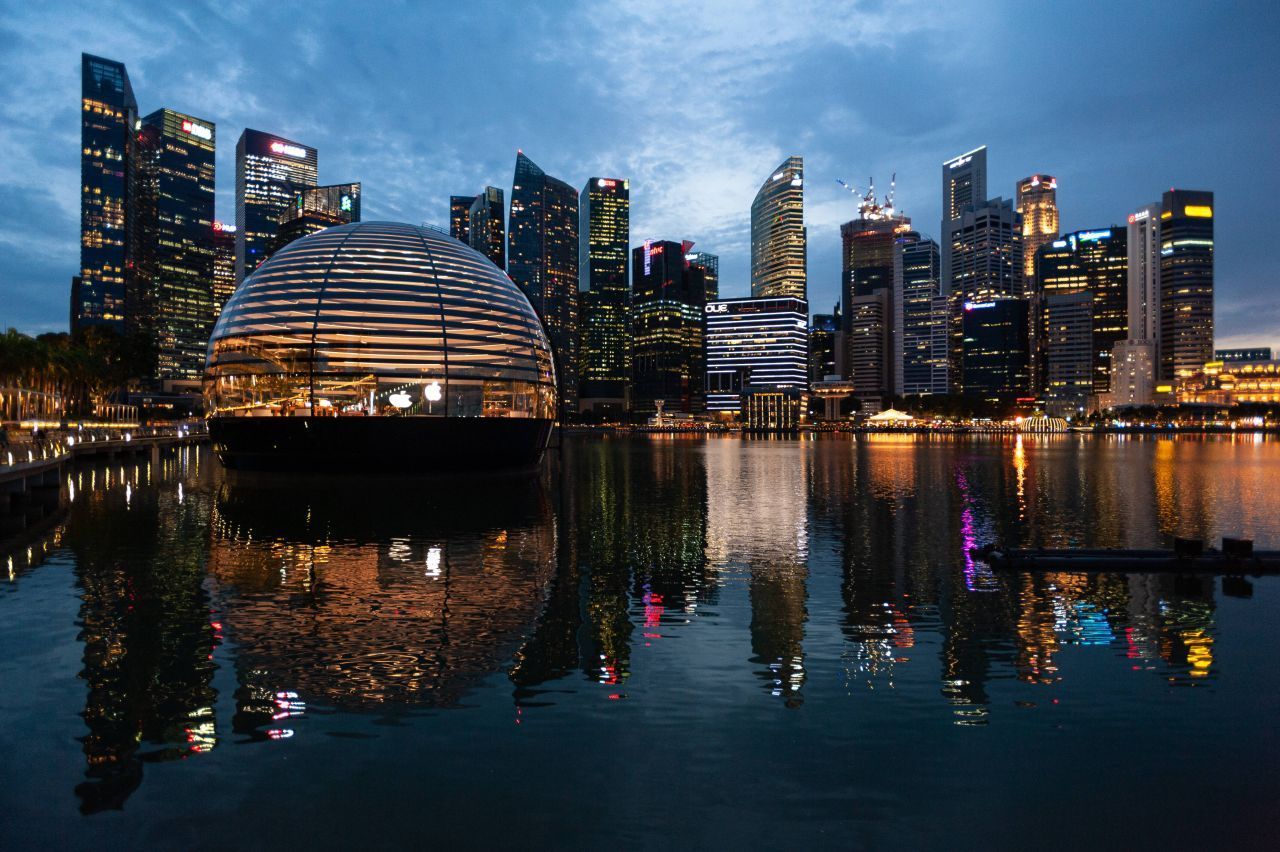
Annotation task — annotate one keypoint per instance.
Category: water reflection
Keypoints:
(811, 575)
(358, 594)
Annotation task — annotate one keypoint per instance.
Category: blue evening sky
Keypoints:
(694, 102)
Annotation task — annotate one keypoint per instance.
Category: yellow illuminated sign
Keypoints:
(1199, 211)
(1166, 215)
(1164, 388)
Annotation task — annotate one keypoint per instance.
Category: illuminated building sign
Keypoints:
(286, 148)
(1094, 236)
(977, 306)
(717, 309)
(197, 130)
(606, 182)
(223, 228)
(1059, 243)
(345, 203)
(1140, 216)
(1198, 211)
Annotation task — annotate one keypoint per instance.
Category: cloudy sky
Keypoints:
(694, 102)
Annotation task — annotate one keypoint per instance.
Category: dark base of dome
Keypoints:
(379, 444)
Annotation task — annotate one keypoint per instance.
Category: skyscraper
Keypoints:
(224, 265)
(1068, 335)
(752, 345)
(175, 260)
(460, 217)
(604, 209)
(1094, 262)
(964, 182)
(486, 225)
(921, 316)
(542, 259)
(108, 124)
(667, 302)
(710, 266)
(986, 267)
(867, 296)
(779, 256)
(995, 349)
(1186, 282)
(270, 172)
(823, 331)
(1037, 201)
(1144, 273)
(318, 208)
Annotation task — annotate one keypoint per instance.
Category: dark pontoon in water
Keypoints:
(1189, 556)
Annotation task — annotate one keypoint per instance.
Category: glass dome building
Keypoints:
(378, 345)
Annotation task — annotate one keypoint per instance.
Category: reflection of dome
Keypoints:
(376, 343)
(380, 601)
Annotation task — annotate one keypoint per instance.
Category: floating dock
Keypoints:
(1189, 556)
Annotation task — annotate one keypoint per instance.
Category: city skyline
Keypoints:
(697, 187)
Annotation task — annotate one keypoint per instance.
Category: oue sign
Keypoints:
(717, 309)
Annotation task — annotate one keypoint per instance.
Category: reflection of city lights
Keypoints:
(433, 562)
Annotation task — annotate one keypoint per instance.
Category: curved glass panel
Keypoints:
(379, 319)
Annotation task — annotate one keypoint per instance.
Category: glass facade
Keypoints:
(917, 289)
(823, 331)
(460, 217)
(995, 362)
(175, 264)
(755, 344)
(779, 248)
(270, 172)
(108, 123)
(487, 228)
(542, 260)
(1096, 262)
(604, 206)
(316, 209)
(964, 182)
(667, 299)
(224, 265)
(379, 319)
(1186, 283)
(710, 265)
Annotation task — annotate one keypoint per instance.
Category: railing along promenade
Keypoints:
(32, 468)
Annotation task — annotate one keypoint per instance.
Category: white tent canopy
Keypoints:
(893, 415)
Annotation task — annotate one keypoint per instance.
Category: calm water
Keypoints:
(662, 642)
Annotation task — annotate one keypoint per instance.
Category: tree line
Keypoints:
(81, 368)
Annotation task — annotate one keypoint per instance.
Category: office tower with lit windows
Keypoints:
(755, 345)
(824, 330)
(868, 248)
(542, 259)
(460, 217)
(995, 362)
(1143, 238)
(668, 296)
(1068, 335)
(779, 256)
(108, 127)
(1186, 283)
(920, 318)
(270, 172)
(964, 183)
(175, 259)
(318, 208)
(710, 265)
(986, 264)
(224, 265)
(1037, 202)
(604, 232)
(1095, 262)
(486, 226)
